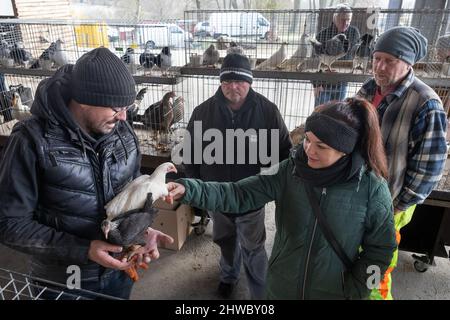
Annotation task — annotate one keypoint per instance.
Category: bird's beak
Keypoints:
(172, 169)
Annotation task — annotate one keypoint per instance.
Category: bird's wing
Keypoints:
(334, 47)
(131, 228)
(128, 197)
(275, 59)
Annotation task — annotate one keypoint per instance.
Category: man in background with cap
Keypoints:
(342, 17)
(238, 107)
(413, 125)
(60, 168)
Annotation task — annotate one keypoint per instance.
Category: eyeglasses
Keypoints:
(229, 82)
(117, 110)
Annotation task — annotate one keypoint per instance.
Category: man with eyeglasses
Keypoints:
(237, 107)
(60, 168)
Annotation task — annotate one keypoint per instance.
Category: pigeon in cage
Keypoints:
(4, 49)
(211, 56)
(223, 42)
(164, 60)
(19, 111)
(362, 52)
(128, 57)
(57, 54)
(235, 48)
(147, 59)
(5, 59)
(299, 58)
(19, 54)
(331, 50)
(133, 112)
(275, 60)
(130, 213)
(44, 60)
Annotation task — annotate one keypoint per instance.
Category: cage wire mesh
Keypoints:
(34, 44)
(158, 116)
(277, 42)
(19, 286)
(280, 39)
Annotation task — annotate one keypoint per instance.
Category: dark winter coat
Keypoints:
(55, 181)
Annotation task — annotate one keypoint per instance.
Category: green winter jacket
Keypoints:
(302, 264)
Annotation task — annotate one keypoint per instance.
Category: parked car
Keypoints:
(236, 24)
(202, 29)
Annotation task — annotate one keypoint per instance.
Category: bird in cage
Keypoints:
(363, 50)
(223, 42)
(331, 50)
(164, 60)
(5, 59)
(58, 55)
(133, 112)
(130, 213)
(44, 60)
(160, 116)
(147, 59)
(235, 48)
(211, 56)
(19, 110)
(275, 60)
(4, 49)
(299, 58)
(128, 57)
(19, 54)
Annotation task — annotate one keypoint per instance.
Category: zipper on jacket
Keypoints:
(307, 259)
(305, 276)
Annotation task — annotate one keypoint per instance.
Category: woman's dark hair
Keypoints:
(361, 115)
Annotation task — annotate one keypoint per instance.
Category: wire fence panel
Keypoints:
(19, 286)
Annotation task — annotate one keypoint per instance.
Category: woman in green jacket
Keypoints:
(343, 162)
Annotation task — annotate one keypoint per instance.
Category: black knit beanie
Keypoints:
(100, 78)
(334, 133)
(236, 67)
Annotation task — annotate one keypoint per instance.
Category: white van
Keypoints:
(235, 24)
(162, 35)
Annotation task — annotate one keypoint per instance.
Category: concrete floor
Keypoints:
(192, 273)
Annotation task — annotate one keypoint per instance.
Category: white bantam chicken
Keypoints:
(130, 213)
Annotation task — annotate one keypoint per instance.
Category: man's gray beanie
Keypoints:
(405, 43)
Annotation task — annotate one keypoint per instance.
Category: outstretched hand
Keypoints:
(176, 191)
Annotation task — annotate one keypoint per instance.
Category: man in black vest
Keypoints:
(413, 125)
(61, 166)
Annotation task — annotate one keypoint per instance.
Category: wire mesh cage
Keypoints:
(153, 47)
(159, 114)
(285, 39)
(16, 97)
(19, 286)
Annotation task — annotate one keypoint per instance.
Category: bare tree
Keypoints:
(233, 4)
(198, 4)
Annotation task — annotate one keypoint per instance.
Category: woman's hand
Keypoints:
(176, 191)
